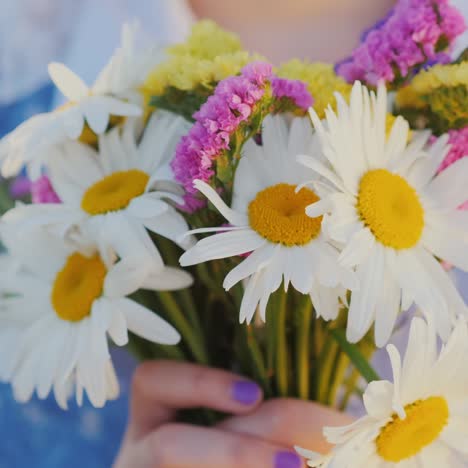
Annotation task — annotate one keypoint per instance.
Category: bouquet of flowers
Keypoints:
(196, 203)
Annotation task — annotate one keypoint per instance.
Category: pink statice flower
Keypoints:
(414, 33)
(294, 90)
(43, 192)
(233, 103)
(458, 140)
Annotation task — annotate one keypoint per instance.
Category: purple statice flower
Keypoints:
(258, 72)
(295, 90)
(414, 33)
(233, 102)
(43, 192)
(20, 187)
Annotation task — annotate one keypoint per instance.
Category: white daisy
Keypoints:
(390, 212)
(115, 93)
(65, 298)
(419, 420)
(268, 220)
(120, 190)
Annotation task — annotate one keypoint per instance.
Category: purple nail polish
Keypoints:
(287, 460)
(246, 392)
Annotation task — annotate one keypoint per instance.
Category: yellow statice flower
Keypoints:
(443, 90)
(407, 97)
(207, 41)
(187, 72)
(321, 80)
(209, 55)
(447, 76)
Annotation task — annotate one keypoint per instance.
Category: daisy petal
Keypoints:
(68, 82)
(147, 324)
(256, 261)
(233, 217)
(449, 187)
(227, 244)
(168, 279)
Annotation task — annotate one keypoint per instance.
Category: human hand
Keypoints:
(258, 435)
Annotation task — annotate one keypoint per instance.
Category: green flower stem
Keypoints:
(175, 314)
(249, 339)
(350, 387)
(207, 279)
(188, 304)
(367, 348)
(303, 322)
(279, 304)
(171, 253)
(341, 365)
(358, 359)
(326, 362)
(6, 202)
(258, 361)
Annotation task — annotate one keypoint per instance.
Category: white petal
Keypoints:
(326, 301)
(162, 133)
(395, 360)
(256, 261)
(252, 295)
(168, 279)
(417, 283)
(70, 84)
(449, 187)
(126, 276)
(319, 208)
(425, 161)
(73, 122)
(227, 244)
(447, 244)
(358, 249)
(363, 302)
(235, 218)
(396, 142)
(147, 207)
(317, 166)
(116, 106)
(419, 358)
(97, 118)
(388, 306)
(378, 399)
(147, 324)
(118, 328)
(73, 171)
(172, 225)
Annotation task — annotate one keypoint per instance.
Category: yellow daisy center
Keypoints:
(77, 285)
(114, 192)
(278, 214)
(404, 438)
(391, 209)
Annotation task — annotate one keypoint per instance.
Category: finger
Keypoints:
(162, 387)
(289, 422)
(179, 446)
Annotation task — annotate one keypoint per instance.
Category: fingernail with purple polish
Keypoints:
(246, 392)
(287, 460)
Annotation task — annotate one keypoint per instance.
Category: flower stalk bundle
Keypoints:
(196, 203)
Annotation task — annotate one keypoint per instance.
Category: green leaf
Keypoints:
(355, 355)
